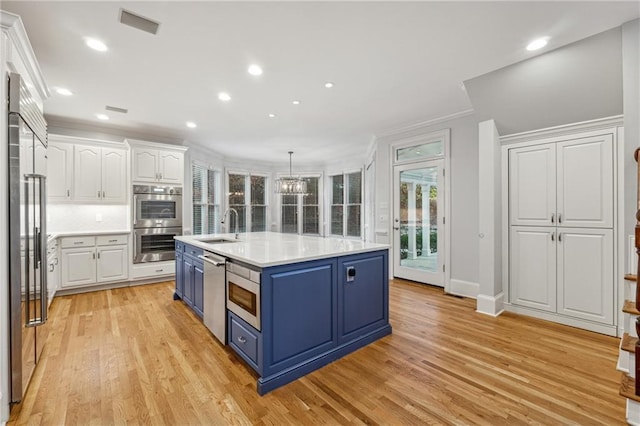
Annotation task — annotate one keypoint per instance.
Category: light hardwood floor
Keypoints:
(133, 355)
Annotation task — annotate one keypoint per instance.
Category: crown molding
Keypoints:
(14, 28)
(416, 128)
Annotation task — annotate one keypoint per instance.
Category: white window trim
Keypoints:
(329, 197)
(321, 199)
(187, 198)
(247, 198)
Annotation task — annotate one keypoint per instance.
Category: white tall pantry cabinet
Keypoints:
(561, 211)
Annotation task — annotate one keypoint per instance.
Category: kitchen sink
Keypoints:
(218, 241)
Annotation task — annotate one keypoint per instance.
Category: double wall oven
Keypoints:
(157, 218)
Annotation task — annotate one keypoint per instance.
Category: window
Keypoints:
(346, 204)
(206, 200)
(247, 195)
(306, 207)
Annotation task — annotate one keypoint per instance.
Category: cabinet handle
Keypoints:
(158, 270)
(560, 237)
(103, 196)
(75, 243)
(553, 238)
(242, 339)
(160, 176)
(559, 217)
(68, 193)
(98, 194)
(552, 217)
(113, 241)
(98, 255)
(94, 255)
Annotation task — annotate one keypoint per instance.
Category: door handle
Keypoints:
(135, 210)
(397, 228)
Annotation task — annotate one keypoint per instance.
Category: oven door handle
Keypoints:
(135, 210)
(214, 260)
(135, 238)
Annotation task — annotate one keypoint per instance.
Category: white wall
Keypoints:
(463, 178)
(631, 103)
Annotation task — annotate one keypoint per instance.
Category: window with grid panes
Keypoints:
(247, 195)
(346, 204)
(300, 214)
(206, 200)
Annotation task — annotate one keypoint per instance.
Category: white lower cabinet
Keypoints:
(567, 271)
(94, 260)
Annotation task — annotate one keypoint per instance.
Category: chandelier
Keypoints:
(291, 185)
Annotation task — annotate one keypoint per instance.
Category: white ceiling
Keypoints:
(392, 64)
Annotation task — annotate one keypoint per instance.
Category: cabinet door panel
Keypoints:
(78, 266)
(585, 274)
(198, 287)
(302, 308)
(179, 275)
(585, 182)
(59, 171)
(114, 175)
(87, 173)
(145, 165)
(171, 167)
(533, 267)
(532, 185)
(361, 298)
(112, 263)
(187, 273)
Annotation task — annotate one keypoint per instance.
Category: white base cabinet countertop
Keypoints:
(263, 249)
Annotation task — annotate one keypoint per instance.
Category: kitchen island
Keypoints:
(316, 299)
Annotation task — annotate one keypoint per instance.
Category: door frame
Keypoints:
(443, 135)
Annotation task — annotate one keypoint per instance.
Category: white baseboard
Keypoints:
(490, 305)
(607, 329)
(633, 412)
(464, 288)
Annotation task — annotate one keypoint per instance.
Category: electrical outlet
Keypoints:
(98, 217)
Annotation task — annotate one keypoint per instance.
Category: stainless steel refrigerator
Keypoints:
(27, 234)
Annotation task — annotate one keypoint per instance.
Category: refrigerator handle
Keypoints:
(27, 257)
(44, 285)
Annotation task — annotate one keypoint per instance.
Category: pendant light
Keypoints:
(291, 185)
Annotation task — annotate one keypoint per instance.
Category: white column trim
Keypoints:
(490, 305)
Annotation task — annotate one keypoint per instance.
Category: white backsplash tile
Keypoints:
(86, 217)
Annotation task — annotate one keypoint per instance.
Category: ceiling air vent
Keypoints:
(116, 109)
(139, 22)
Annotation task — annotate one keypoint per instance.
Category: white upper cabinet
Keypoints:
(569, 183)
(100, 174)
(532, 185)
(114, 175)
(59, 171)
(585, 182)
(87, 185)
(158, 166)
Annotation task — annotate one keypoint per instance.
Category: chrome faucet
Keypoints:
(225, 215)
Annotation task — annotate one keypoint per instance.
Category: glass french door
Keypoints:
(418, 228)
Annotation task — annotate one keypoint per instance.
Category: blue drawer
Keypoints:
(192, 251)
(243, 339)
(179, 246)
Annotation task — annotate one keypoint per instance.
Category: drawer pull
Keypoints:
(78, 242)
(242, 339)
(113, 241)
(159, 270)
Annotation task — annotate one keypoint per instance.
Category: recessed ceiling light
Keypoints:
(191, 125)
(102, 116)
(96, 44)
(272, 115)
(223, 96)
(328, 85)
(296, 102)
(538, 43)
(254, 69)
(64, 92)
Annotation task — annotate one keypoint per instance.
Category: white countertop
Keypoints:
(53, 235)
(265, 249)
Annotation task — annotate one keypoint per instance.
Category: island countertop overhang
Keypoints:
(266, 249)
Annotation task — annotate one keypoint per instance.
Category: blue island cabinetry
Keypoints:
(311, 313)
(190, 277)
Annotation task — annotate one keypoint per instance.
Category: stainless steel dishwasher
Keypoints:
(214, 305)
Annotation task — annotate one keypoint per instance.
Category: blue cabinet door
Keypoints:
(299, 313)
(198, 287)
(363, 294)
(187, 272)
(179, 275)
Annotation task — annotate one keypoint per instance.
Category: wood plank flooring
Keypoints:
(133, 355)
